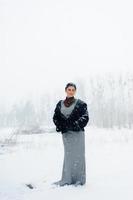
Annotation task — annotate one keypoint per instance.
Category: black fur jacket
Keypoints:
(76, 121)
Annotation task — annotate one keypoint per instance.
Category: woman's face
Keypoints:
(70, 91)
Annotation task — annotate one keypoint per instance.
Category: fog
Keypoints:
(46, 44)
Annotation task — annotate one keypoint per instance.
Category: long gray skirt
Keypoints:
(74, 165)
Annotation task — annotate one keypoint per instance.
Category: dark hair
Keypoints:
(70, 84)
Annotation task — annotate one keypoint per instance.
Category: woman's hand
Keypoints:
(58, 128)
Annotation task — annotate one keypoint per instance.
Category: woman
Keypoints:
(70, 117)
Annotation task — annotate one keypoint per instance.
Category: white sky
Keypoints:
(45, 44)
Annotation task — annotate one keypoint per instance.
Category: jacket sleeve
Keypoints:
(56, 119)
(84, 118)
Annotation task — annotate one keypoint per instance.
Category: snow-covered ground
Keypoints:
(38, 159)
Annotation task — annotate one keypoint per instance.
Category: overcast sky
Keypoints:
(45, 44)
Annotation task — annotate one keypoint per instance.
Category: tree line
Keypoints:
(109, 100)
